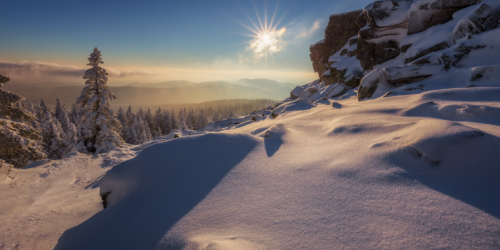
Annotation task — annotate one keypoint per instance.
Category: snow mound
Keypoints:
(296, 105)
(182, 171)
(430, 139)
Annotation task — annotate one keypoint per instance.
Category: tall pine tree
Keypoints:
(98, 130)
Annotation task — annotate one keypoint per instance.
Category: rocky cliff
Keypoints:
(388, 44)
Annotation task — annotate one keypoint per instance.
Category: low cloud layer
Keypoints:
(36, 68)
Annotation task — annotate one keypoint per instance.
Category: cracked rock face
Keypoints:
(483, 19)
(340, 29)
(424, 52)
(426, 15)
(402, 75)
(371, 54)
(387, 13)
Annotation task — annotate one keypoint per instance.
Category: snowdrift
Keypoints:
(410, 171)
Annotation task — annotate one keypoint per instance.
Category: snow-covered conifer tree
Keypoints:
(140, 113)
(123, 121)
(191, 120)
(173, 121)
(158, 120)
(202, 120)
(130, 136)
(98, 130)
(157, 133)
(54, 141)
(151, 122)
(68, 128)
(19, 141)
(145, 128)
(141, 131)
(73, 115)
(166, 125)
(181, 123)
(216, 117)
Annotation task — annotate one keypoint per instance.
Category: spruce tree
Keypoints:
(216, 117)
(158, 120)
(157, 133)
(123, 122)
(129, 116)
(98, 130)
(141, 131)
(19, 141)
(150, 120)
(166, 124)
(73, 116)
(67, 126)
(173, 121)
(181, 123)
(202, 120)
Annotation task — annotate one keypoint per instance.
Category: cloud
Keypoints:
(124, 73)
(39, 69)
(36, 68)
(310, 31)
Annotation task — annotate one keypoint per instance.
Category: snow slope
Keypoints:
(42, 200)
(409, 171)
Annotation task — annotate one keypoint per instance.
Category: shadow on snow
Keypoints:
(165, 182)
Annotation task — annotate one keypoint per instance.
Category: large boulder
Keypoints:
(485, 18)
(340, 29)
(371, 53)
(296, 92)
(425, 14)
(318, 52)
(369, 84)
(387, 13)
(402, 75)
(423, 52)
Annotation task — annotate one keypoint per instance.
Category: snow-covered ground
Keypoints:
(416, 171)
(410, 161)
(44, 199)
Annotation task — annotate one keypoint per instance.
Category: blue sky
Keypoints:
(174, 37)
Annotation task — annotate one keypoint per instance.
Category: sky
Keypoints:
(154, 41)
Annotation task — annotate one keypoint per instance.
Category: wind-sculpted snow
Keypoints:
(412, 171)
(149, 194)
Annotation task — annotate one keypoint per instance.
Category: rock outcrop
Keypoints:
(376, 51)
(426, 14)
(340, 28)
(485, 18)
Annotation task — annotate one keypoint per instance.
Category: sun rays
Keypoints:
(267, 37)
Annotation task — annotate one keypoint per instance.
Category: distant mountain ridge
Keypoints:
(180, 91)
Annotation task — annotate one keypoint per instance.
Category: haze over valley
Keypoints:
(154, 94)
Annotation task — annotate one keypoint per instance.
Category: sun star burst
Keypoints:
(267, 38)
(267, 41)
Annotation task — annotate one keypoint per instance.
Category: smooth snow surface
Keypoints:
(417, 170)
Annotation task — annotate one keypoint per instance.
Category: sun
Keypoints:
(267, 41)
(267, 38)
